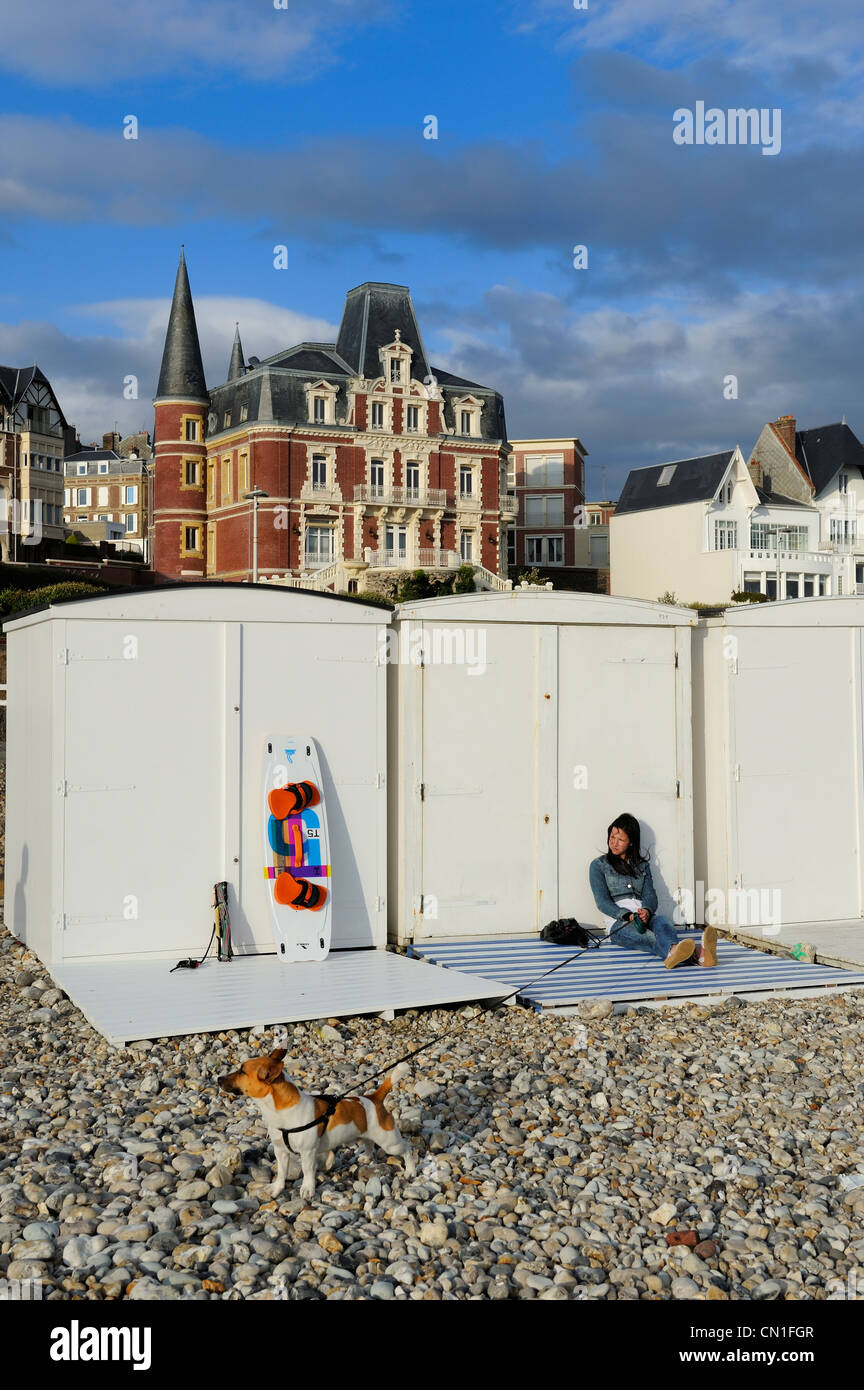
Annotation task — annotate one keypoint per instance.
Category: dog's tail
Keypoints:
(387, 1084)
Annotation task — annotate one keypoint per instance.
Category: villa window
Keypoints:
(466, 480)
(319, 549)
(412, 419)
(376, 477)
(725, 535)
(395, 371)
(319, 472)
(377, 415)
(412, 481)
(320, 410)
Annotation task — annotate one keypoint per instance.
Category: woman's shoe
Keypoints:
(680, 952)
(709, 947)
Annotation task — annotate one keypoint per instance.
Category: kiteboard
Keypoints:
(297, 849)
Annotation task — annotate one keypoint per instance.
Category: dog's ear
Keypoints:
(272, 1065)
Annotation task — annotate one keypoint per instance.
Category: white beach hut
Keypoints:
(520, 724)
(779, 769)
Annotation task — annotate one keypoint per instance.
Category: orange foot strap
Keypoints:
(296, 797)
(299, 893)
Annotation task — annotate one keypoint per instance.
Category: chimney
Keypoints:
(785, 427)
(111, 441)
(754, 468)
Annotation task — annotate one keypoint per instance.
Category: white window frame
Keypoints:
(318, 391)
(386, 416)
(377, 489)
(542, 548)
(466, 546)
(725, 535)
(321, 483)
(131, 501)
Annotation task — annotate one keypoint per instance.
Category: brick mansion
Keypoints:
(360, 454)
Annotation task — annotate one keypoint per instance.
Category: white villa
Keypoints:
(788, 523)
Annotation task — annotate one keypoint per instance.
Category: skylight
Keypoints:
(666, 474)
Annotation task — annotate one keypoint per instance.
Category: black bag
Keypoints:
(566, 931)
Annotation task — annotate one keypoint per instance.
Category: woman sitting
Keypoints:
(624, 892)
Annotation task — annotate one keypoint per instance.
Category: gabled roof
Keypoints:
(776, 499)
(87, 455)
(16, 381)
(823, 451)
(693, 480)
(320, 359)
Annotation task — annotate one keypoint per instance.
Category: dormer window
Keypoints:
(843, 482)
(395, 371)
(666, 475)
(103, 467)
(321, 402)
(226, 424)
(466, 413)
(244, 412)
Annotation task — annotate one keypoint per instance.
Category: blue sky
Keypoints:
(304, 126)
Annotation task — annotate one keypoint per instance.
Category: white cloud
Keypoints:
(59, 43)
(88, 371)
(753, 33)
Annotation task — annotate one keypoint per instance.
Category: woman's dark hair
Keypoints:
(630, 825)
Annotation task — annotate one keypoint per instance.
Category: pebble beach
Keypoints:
(674, 1154)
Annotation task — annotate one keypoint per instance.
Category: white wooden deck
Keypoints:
(837, 943)
(126, 1000)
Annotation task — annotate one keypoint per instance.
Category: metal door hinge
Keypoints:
(422, 791)
(736, 772)
(63, 656)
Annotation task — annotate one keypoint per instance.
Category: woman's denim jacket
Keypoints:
(607, 885)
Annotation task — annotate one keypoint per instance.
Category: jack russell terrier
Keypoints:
(284, 1106)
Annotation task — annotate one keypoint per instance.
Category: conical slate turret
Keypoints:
(182, 373)
(236, 366)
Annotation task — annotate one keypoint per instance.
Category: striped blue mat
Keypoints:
(612, 972)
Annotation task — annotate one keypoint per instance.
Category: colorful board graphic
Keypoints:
(297, 847)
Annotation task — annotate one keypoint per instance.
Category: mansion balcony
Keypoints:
(420, 559)
(794, 559)
(320, 492)
(384, 495)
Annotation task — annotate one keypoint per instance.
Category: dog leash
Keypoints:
(332, 1101)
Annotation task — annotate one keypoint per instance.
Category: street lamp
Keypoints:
(777, 532)
(254, 497)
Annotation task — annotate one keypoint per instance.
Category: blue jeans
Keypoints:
(658, 940)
